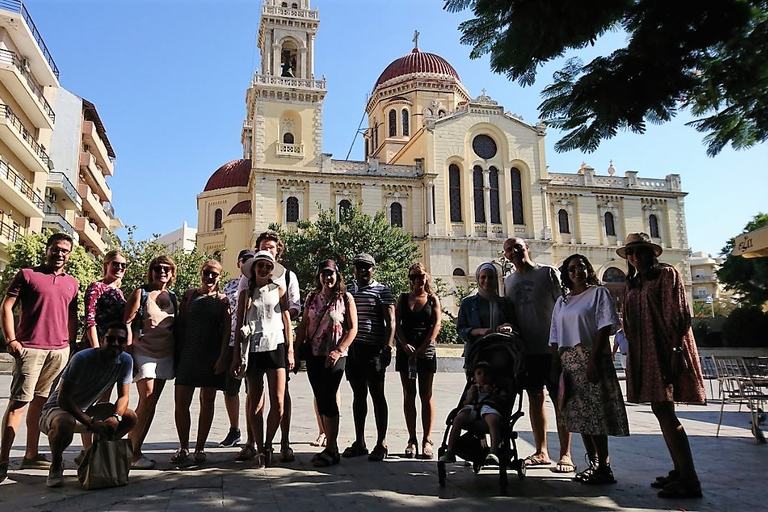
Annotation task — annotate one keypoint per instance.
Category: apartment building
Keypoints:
(29, 79)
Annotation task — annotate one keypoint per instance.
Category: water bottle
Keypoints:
(412, 368)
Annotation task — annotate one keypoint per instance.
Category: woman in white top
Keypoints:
(590, 396)
(263, 344)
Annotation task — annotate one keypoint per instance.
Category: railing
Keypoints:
(18, 6)
(19, 183)
(58, 222)
(287, 11)
(109, 209)
(25, 134)
(66, 184)
(611, 182)
(9, 57)
(290, 149)
(703, 278)
(283, 81)
(12, 233)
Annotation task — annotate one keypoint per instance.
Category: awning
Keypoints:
(753, 244)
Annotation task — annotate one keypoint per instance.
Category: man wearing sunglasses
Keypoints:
(73, 408)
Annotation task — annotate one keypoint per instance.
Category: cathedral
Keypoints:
(456, 171)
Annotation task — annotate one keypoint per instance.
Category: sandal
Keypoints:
(356, 449)
(268, 453)
(537, 459)
(259, 462)
(325, 458)
(320, 441)
(663, 481)
(426, 449)
(287, 455)
(181, 455)
(591, 467)
(564, 465)
(680, 490)
(412, 450)
(200, 457)
(601, 476)
(247, 452)
(379, 453)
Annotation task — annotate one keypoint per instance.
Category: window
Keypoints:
(406, 129)
(517, 196)
(610, 228)
(653, 226)
(294, 5)
(344, 207)
(479, 197)
(454, 186)
(458, 271)
(291, 209)
(217, 218)
(396, 214)
(288, 138)
(392, 123)
(613, 275)
(484, 146)
(562, 220)
(493, 178)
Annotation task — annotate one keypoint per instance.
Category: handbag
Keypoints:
(106, 464)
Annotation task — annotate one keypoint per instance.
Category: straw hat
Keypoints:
(639, 240)
(247, 268)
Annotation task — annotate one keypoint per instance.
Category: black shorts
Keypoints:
(363, 363)
(231, 384)
(537, 373)
(260, 361)
(423, 364)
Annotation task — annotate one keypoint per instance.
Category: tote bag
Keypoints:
(106, 464)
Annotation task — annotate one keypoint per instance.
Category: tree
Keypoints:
(341, 240)
(702, 56)
(747, 276)
(29, 251)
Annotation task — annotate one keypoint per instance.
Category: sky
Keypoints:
(169, 77)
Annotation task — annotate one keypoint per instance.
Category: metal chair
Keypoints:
(736, 386)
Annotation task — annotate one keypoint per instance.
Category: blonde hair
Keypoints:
(420, 266)
(108, 259)
(167, 260)
(215, 264)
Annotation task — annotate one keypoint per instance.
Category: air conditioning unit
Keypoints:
(51, 195)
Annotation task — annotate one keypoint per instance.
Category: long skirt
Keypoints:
(593, 409)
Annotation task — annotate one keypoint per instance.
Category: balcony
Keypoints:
(89, 233)
(93, 206)
(704, 279)
(90, 172)
(21, 141)
(35, 45)
(291, 150)
(60, 185)
(19, 192)
(57, 222)
(97, 147)
(22, 85)
(8, 233)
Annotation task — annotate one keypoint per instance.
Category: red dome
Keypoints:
(417, 62)
(233, 174)
(241, 207)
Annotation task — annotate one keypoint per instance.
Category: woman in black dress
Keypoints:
(417, 318)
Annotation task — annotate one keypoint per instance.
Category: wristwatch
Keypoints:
(117, 417)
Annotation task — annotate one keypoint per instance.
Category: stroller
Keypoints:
(504, 353)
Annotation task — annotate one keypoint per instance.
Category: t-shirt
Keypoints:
(45, 301)
(577, 318)
(232, 291)
(621, 341)
(371, 302)
(533, 295)
(292, 291)
(89, 377)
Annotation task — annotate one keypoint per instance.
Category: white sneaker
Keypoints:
(55, 477)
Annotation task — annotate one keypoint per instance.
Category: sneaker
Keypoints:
(379, 453)
(55, 477)
(447, 457)
(233, 437)
(492, 460)
(4, 470)
(37, 462)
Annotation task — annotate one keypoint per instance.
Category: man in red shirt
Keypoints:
(39, 344)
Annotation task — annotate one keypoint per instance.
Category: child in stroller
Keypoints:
(483, 401)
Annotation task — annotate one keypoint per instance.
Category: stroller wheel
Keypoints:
(520, 468)
(441, 473)
(503, 481)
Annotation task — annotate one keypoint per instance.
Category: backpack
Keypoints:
(139, 318)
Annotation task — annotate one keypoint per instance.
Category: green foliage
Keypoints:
(704, 56)
(29, 251)
(747, 276)
(341, 240)
(746, 327)
(448, 333)
(721, 307)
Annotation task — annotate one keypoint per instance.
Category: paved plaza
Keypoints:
(731, 467)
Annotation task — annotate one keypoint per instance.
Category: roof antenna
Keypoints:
(357, 132)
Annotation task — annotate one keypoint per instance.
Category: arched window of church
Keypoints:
(478, 196)
(562, 220)
(285, 4)
(367, 149)
(458, 271)
(613, 275)
(493, 179)
(517, 196)
(610, 227)
(294, 5)
(454, 185)
(288, 138)
(217, 218)
(392, 123)
(406, 128)
(291, 209)
(396, 214)
(653, 226)
(344, 207)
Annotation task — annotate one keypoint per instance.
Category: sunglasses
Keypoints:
(111, 338)
(326, 273)
(264, 264)
(629, 251)
(162, 268)
(118, 265)
(211, 273)
(577, 268)
(414, 277)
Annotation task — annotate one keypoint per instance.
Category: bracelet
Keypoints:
(8, 342)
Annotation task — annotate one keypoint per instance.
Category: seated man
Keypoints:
(71, 407)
